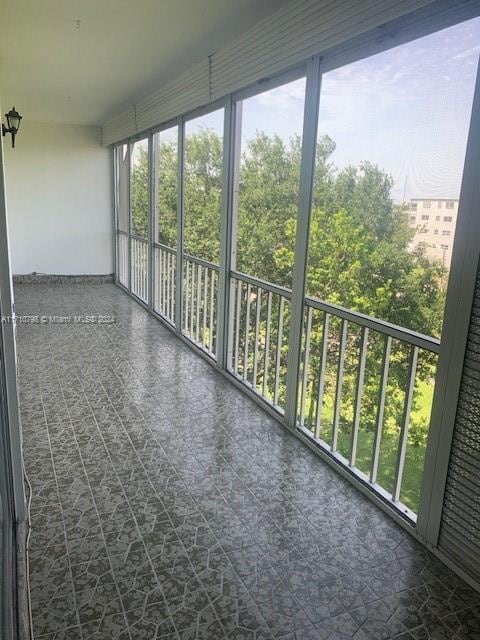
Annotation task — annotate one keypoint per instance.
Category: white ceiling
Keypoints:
(80, 61)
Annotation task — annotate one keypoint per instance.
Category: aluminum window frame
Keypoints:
(217, 105)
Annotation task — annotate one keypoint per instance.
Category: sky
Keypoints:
(407, 110)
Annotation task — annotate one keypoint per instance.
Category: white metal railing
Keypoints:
(346, 356)
(139, 267)
(122, 258)
(200, 296)
(164, 281)
(258, 336)
(340, 344)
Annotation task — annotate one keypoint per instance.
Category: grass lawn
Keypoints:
(414, 460)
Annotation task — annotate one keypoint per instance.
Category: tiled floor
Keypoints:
(168, 505)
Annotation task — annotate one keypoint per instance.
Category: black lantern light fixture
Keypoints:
(13, 124)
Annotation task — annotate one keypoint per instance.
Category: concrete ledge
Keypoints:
(44, 278)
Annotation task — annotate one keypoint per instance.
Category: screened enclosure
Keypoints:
(274, 232)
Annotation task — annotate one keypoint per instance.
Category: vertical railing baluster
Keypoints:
(158, 280)
(164, 283)
(199, 295)
(267, 345)
(247, 333)
(125, 260)
(258, 308)
(407, 407)
(215, 314)
(204, 308)
(139, 272)
(358, 395)
(168, 286)
(144, 272)
(186, 294)
(387, 347)
(192, 297)
(132, 265)
(339, 385)
(306, 362)
(239, 291)
(166, 257)
(173, 288)
(321, 377)
(135, 270)
(166, 310)
(212, 307)
(154, 276)
(278, 353)
(158, 286)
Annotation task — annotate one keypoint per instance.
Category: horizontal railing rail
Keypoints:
(381, 326)
(165, 247)
(138, 238)
(266, 286)
(202, 262)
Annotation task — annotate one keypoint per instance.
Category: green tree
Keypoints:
(139, 192)
(203, 171)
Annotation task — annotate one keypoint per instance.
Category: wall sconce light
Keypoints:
(13, 120)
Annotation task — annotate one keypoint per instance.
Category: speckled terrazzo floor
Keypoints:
(168, 505)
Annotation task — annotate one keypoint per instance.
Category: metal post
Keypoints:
(115, 213)
(307, 169)
(151, 219)
(231, 149)
(129, 199)
(180, 225)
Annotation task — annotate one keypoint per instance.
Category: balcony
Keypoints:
(249, 382)
(258, 324)
(167, 504)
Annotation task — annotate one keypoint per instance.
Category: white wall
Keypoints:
(59, 208)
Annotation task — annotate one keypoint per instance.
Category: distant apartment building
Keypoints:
(434, 221)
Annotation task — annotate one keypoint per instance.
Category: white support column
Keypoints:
(307, 170)
(129, 199)
(180, 227)
(461, 286)
(151, 218)
(114, 183)
(231, 150)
